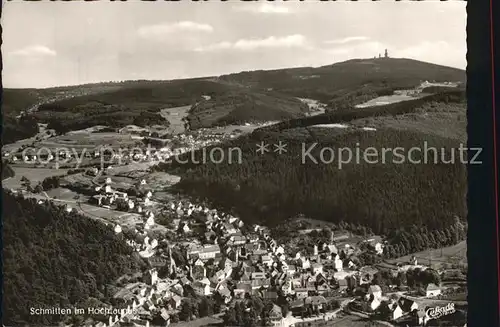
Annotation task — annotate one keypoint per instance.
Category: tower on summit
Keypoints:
(386, 55)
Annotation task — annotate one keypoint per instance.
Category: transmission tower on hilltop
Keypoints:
(386, 55)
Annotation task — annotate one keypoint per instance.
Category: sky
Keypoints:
(66, 43)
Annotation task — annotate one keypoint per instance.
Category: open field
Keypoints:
(35, 175)
(64, 194)
(440, 258)
(387, 99)
(88, 141)
(125, 219)
(161, 180)
(207, 321)
(353, 321)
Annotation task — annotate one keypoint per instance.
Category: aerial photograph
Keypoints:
(247, 164)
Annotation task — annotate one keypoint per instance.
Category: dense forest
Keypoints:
(244, 106)
(416, 239)
(14, 129)
(383, 196)
(52, 258)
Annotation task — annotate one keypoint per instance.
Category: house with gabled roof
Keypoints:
(396, 312)
(175, 302)
(407, 305)
(269, 295)
(301, 293)
(225, 294)
(209, 252)
(258, 275)
(258, 283)
(375, 290)
(317, 268)
(267, 260)
(432, 290)
(241, 290)
(201, 289)
(276, 316)
(342, 283)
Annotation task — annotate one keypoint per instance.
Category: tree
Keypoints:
(239, 308)
(186, 310)
(230, 317)
(384, 310)
(174, 318)
(401, 279)
(38, 188)
(206, 307)
(250, 318)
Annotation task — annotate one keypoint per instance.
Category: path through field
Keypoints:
(175, 116)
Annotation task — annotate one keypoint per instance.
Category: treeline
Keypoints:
(7, 171)
(53, 258)
(68, 121)
(417, 239)
(440, 89)
(342, 99)
(15, 129)
(349, 114)
(382, 195)
(197, 307)
(412, 278)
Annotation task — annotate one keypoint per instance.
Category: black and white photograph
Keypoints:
(262, 163)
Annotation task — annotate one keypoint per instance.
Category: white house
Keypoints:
(432, 290)
(317, 268)
(209, 252)
(374, 303)
(201, 289)
(338, 263)
(279, 250)
(150, 221)
(267, 260)
(397, 312)
(375, 290)
(306, 264)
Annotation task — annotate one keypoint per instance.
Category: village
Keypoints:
(208, 254)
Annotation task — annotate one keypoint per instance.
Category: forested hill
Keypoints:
(384, 195)
(52, 258)
(356, 78)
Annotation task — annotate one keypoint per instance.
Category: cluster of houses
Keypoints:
(226, 263)
(107, 197)
(398, 306)
(224, 259)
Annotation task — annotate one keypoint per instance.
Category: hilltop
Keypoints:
(356, 80)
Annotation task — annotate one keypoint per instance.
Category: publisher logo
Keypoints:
(438, 312)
